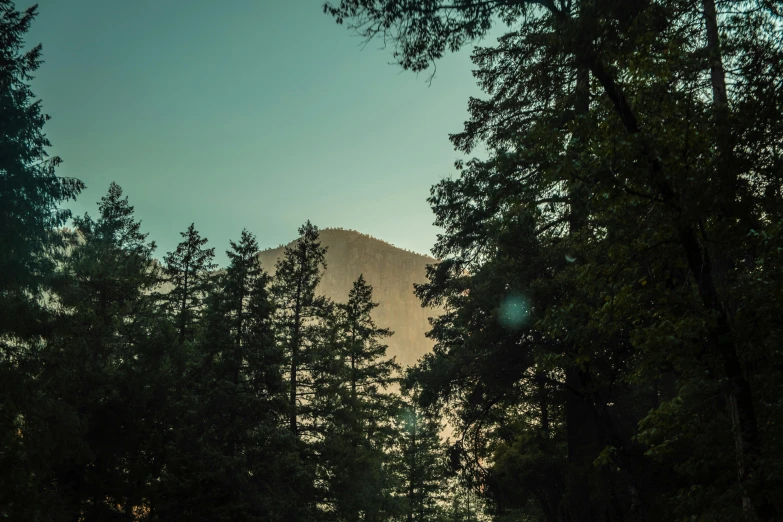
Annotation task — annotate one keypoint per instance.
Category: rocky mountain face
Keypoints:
(391, 271)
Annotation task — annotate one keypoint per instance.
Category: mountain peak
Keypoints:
(392, 272)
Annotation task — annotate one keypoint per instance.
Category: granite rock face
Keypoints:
(391, 271)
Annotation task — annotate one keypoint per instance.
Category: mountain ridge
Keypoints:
(390, 270)
(362, 234)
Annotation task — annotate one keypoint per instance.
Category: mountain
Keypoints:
(390, 270)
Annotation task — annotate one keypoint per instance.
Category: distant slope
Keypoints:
(390, 270)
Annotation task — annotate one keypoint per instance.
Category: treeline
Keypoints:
(232, 396)
(611, 272)
(133, 388)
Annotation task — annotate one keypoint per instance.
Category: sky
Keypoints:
(257, 114)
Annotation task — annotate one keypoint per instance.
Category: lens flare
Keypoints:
(514, 311)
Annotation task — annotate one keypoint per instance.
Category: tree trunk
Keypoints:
(580, 431)
(295, 357)
(183, 307)
(354, 413)
(580, 437)
(717, 73)
(412, 474)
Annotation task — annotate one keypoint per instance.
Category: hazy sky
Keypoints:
(245, 113)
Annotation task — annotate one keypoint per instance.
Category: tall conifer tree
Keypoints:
(30, 198)
(418, 464)
(189, 269)
(297, 275)
(361, 430)
(30, 191)
(101, 369)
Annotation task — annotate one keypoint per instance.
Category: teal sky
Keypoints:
(245, 113)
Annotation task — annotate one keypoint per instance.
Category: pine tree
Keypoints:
(188, 269)
(367, 372)
(361, 430)
(30, 191)
(30, 214)
(297, 275)
(100, 373)
(417, 462)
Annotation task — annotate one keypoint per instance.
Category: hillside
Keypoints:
(390, 270)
